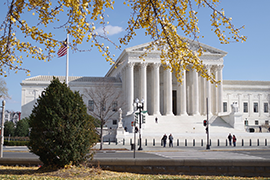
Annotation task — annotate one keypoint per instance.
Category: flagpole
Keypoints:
(67, 60)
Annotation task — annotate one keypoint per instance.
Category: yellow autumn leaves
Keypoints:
(162, 20)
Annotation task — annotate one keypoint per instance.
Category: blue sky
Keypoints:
(245, 61)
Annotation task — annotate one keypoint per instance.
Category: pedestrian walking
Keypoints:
(164, 139)
(234, 140)
(156, 119)
(230, 139)
(170, 140)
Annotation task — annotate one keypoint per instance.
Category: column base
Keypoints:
(196, 114)
(156, 114)
(184, 114)
(170, 114)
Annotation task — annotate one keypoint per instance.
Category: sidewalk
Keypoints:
(158, 147)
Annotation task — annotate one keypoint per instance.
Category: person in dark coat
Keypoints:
(164, 139)
(170, 140)
(234, 140)
(230, 139)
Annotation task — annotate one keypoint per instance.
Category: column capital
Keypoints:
(156, 65)
(208, 66)
(219, 67)
(143, 64)
(130, 64)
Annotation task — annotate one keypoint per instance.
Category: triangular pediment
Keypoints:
(193, 44)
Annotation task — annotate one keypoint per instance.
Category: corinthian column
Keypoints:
(156, 99)
(195, 93)
(143, 93)
(183, 95)
(130, 87)
(220, 88)
(208, 90)
(168, 92)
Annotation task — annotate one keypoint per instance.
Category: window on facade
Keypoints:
(256, 122)
(114, 106)
(266, 122)
(91, 105)
(224, 106)
(246, 122)
(265, 107)
(245, 107)
(255, 107)
(114, 122)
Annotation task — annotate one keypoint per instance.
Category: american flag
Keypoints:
(63, 49)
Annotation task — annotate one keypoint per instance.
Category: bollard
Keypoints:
(242, 142)
(210, 142)
(185, 142)
(109, 141)
(177, 142)
(226, 142)
(145, 142)
(250, 143)
(258, 142)
(201, 142)
(130, 141)
(154, 143)
(116, 142)
(123, 141)
(218, 142)
(265, 142)
(193, 142)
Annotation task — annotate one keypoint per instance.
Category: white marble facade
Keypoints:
(174, 104)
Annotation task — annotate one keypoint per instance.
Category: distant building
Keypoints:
(179, 108)
(11, 116)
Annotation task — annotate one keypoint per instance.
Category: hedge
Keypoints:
(16, 143)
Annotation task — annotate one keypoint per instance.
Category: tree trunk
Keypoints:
(101, 135)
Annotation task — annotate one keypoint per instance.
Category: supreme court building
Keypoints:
(233, 106)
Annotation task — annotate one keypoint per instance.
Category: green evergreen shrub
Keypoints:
(22, 128)
(16, 143)
(62, 132)
(9, 128)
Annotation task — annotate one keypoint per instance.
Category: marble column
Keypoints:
(168, 92)
(181, 95)
(220, 88)
(208, 91)
(156, 100)
(195, 93)
(260, 105)
(250, 105)
(143, 90)
(229, 109)
(130, 87)
(240, 109)
(184, 95)
(203, 95)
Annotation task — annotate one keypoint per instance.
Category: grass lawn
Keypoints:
(33, 173)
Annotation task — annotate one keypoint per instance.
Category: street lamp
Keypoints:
(2, 128)
(140, 107)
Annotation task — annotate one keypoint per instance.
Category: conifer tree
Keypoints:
(22, 128)
(9, 128)
(61, 130)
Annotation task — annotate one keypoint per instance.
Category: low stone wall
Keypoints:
(20, 161)
(191, 166)
(170, 166)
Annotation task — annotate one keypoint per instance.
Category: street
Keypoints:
(166, 153)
